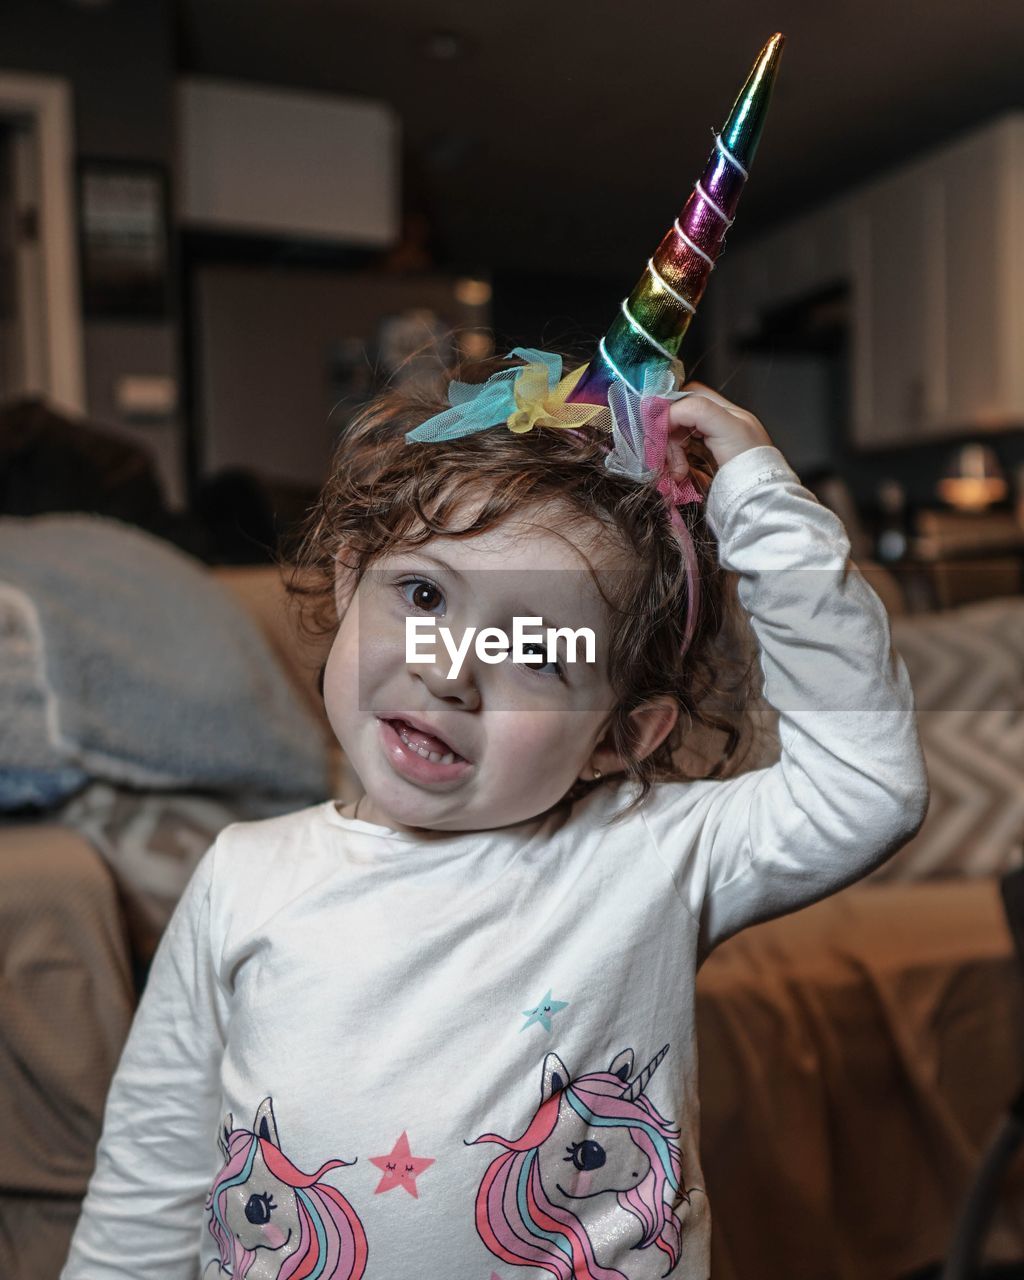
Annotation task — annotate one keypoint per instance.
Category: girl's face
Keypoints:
(498, 742)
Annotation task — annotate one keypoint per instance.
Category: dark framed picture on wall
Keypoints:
(124, 239)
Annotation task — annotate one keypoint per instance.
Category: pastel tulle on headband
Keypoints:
(529, 395)
(533, 395)
(640, 431)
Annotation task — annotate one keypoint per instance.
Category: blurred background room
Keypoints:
(225, 225)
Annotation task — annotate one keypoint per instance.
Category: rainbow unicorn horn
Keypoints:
(639, 1083)
(649, 329)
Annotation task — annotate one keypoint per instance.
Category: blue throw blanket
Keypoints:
(136, 667)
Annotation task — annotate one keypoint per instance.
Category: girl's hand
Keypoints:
(725, 428)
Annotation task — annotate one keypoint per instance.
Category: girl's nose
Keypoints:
(461, 688)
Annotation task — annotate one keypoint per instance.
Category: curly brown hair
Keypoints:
(383, 494)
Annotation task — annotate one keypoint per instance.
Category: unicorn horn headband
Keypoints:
(638, 354)
(653, 320)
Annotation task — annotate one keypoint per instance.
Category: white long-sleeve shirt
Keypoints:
(495, 1030)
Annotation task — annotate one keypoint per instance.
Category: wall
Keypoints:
(274, 349)
(119, 59)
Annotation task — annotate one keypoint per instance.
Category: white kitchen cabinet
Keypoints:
(983, 322)
(334, 163)
(934, 259)
(895, 247)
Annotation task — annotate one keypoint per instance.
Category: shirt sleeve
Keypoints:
(850, 785)
(144, 1208)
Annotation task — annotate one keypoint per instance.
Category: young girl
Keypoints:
(448, 1031)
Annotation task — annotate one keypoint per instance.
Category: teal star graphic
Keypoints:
(543, 1012)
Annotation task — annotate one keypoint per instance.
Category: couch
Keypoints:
(84, 895)
(854, 1057)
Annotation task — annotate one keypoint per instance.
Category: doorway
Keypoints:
(40, 319)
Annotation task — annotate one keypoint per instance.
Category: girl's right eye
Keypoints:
(422, 594)
(552, 668)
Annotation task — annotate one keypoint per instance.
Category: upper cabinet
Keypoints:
(933, 257)
(982, 185)
(275, 162)
(898, 382)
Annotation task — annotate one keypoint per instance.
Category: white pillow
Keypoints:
(34, 768)
(138, 668)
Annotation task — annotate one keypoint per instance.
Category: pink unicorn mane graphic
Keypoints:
(270, 1220)
(590, 1190)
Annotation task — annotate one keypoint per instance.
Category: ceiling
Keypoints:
(568, 132)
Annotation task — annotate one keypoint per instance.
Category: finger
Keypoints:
(703, 414)
(709, 393)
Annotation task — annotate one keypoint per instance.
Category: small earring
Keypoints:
(597, 773)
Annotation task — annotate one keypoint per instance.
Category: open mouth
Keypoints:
(419, 754)
(426, 745)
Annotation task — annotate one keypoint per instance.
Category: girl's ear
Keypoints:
(652, 723)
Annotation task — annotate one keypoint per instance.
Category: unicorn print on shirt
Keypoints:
(270, 1220)
(591, 1189)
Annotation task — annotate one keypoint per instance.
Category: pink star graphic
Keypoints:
(400, 1167)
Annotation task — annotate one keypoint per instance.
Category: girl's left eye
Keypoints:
(552, 668)
(422, 594)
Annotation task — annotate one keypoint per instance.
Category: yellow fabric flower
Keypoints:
(537, 406)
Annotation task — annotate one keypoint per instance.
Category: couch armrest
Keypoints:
(66, 1003)
(260, 590)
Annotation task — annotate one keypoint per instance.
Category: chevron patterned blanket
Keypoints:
(966, 666)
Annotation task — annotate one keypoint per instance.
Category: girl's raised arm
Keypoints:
(850, 786)
(143, 1213)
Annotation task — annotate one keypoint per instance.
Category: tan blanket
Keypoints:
(854, 1059)
(66, 1004)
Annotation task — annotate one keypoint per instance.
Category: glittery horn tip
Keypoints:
(742, 131)
(652, 322)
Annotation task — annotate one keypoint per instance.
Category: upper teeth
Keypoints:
(433, 756)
